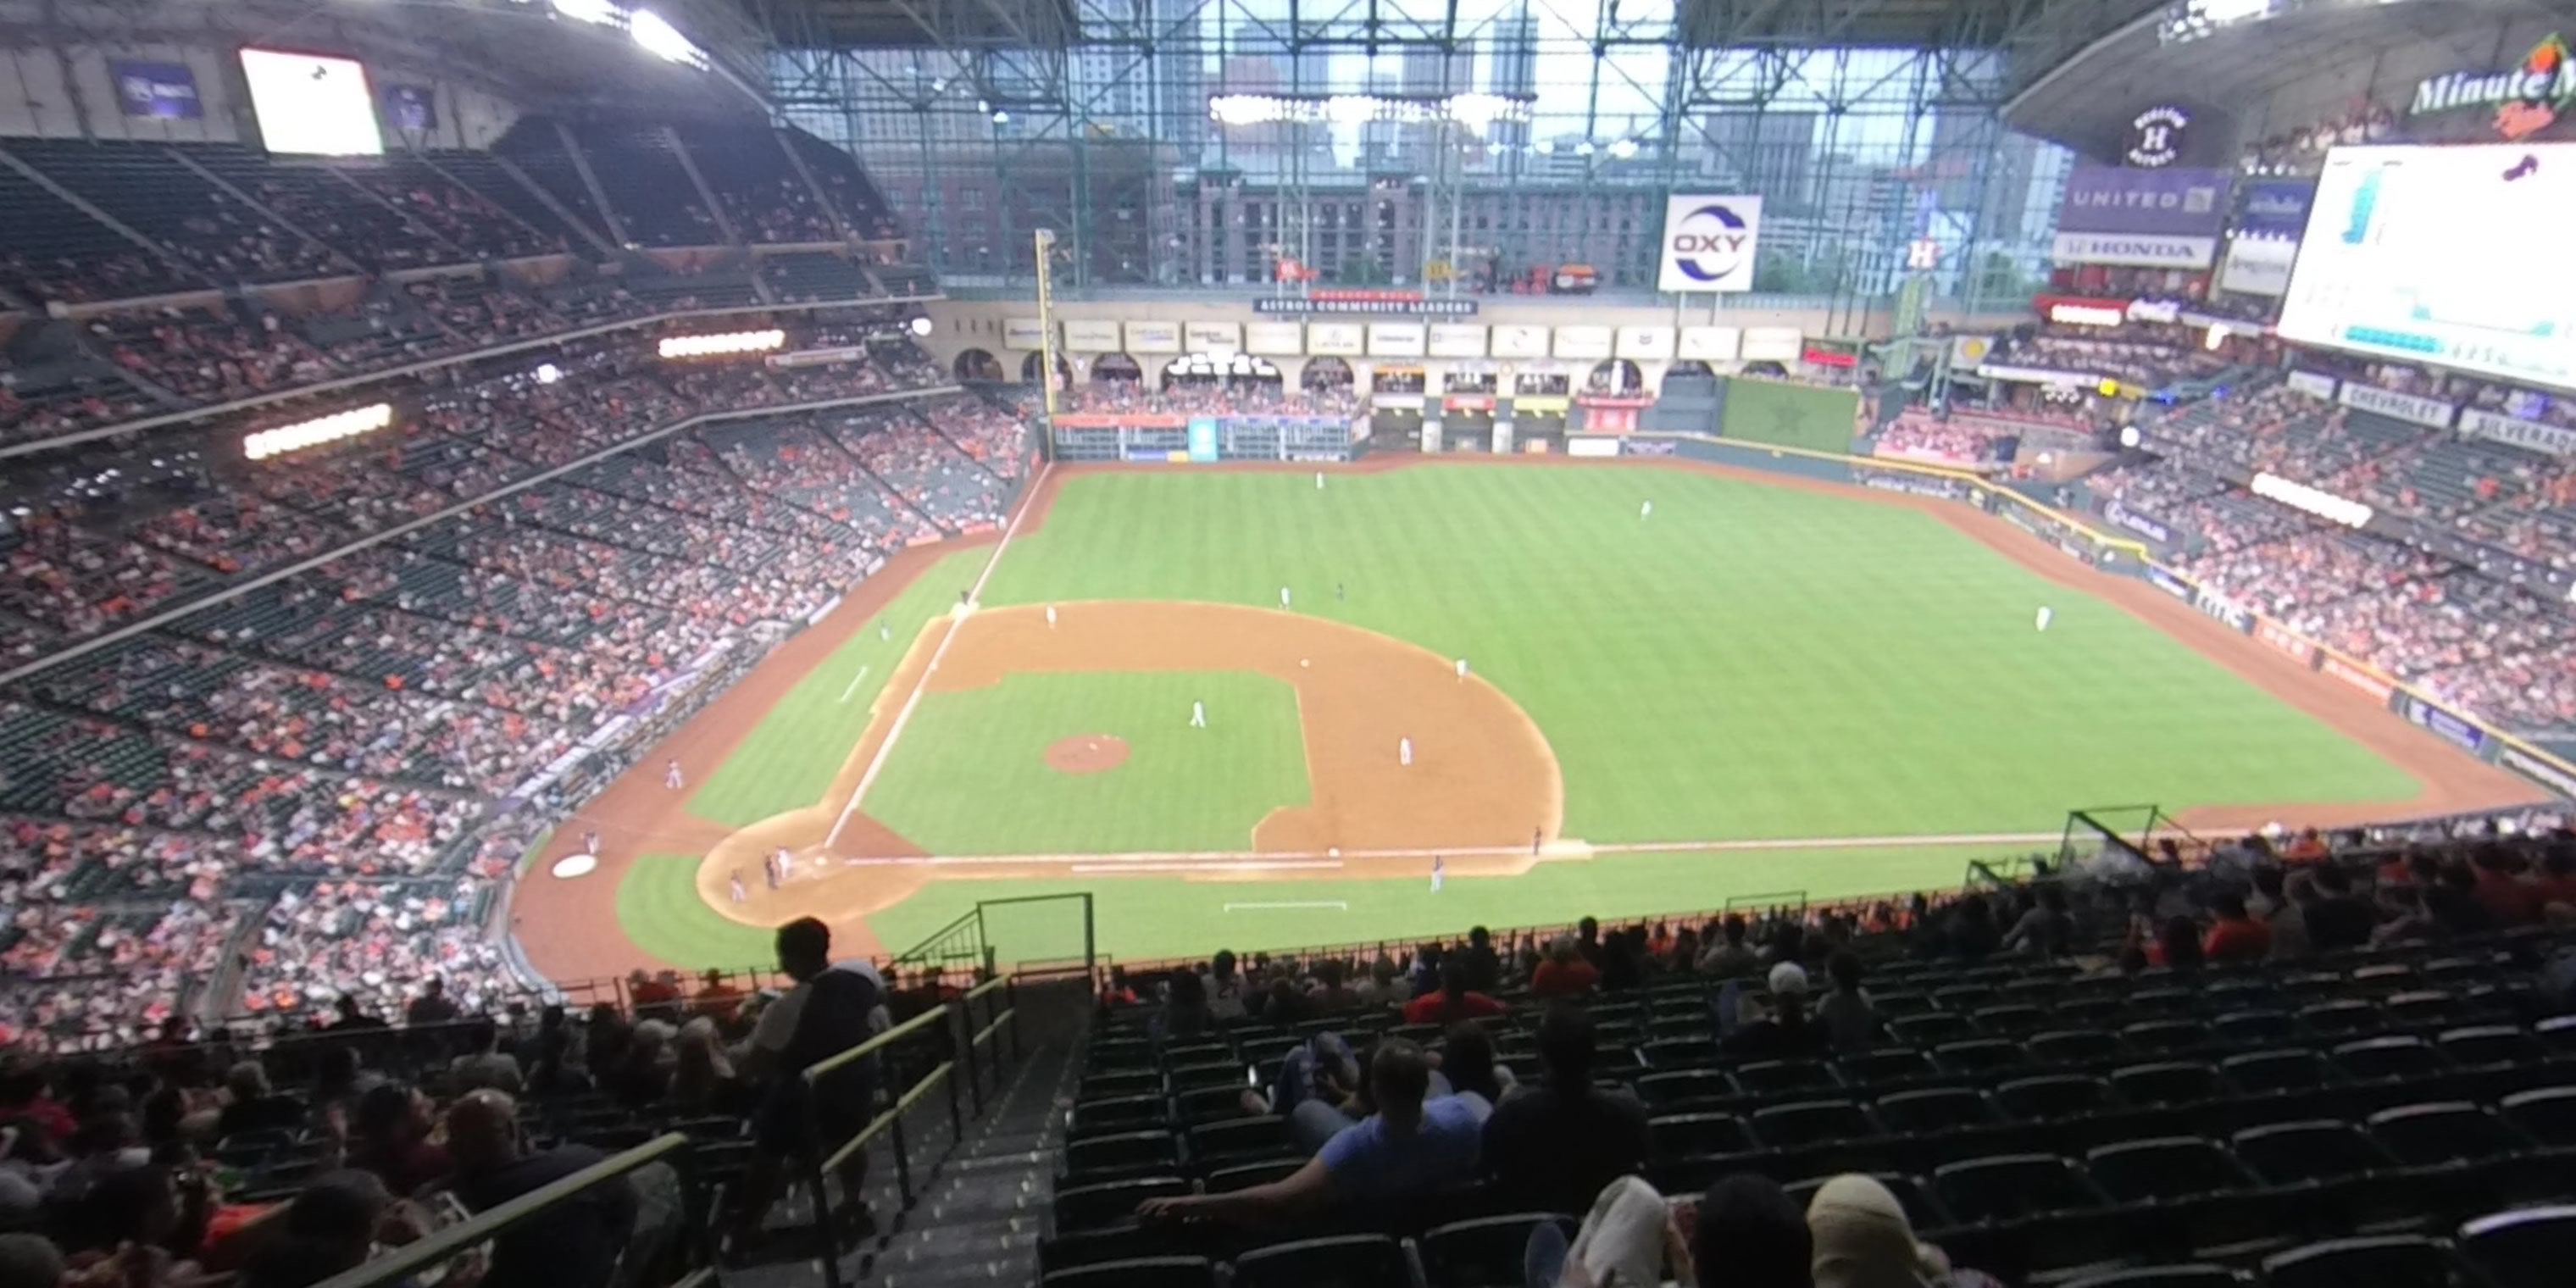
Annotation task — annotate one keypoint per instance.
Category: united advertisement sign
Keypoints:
(2168, 218)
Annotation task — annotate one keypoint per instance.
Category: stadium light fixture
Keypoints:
(722, 344)
(313, 433)
(597, 12)
(547, 373)
(1583, 149)
(1623, 149)
(2308, 500)
(662, 40)
(921, 326)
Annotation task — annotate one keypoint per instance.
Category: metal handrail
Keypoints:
(412, 1257)
(830, 1064)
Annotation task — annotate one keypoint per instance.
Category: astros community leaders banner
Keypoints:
(1709, 243)
(2142, 218)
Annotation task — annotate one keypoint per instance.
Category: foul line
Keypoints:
(1258, 860)
(974, 594)
(1334, 904)
(854, 684)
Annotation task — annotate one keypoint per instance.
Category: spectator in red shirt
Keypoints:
(2509, 899)
(2236, 937)
(1453, 1002)
(1564, 973)
(23, 1096)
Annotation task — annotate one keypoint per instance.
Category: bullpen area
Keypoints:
(1682, 685)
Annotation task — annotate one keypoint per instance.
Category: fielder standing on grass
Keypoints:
(1319, 480)
(1436, 874)
(1283, 599)
(2045, 614)
(1646, 511)
(1462, 670)
(1198, 714)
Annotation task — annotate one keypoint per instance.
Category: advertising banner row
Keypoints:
(1416, 340)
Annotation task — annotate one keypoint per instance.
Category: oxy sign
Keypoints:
(1709, 243)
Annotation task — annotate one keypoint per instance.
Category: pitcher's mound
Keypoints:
(1088, 753)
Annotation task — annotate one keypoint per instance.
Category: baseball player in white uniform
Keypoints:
(1646, 511)
(1283, 598)
(2045, 614)
(1404, 751)
(1198, 715)
(1050, 617)
(736, 882)
(1319, 480)
(671, 776)
(1462, 670)
(1436, 874)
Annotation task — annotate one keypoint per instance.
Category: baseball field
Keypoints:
(1765, 688)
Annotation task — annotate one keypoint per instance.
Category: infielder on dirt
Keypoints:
(1462, 670)
(1050, 617)
(1404, 751)
(671, 776)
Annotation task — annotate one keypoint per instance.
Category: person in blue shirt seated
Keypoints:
(1416, 1144)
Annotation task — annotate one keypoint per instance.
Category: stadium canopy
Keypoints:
(922, 24)
(2086, 98)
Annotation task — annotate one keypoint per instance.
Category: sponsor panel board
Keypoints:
(2450, 725)
(2221, 607)
(2551, 439)
(1648, 447)
(2143, 525)
(1709, 343)
(1773, 344)
(1091, 336)
(160, 91)
(2159, 218)
(2415, 409)
(1212, 337)
(2169, 583)
(1456, 340)
(2276, 208)
(1520, 340)
(2258, 266)
(1153, 337)
(1028, 335)
(1586, 343)
(2547, 773)
(2285, 641)
(2314, 384)
(2358, 675)
(1644, 343)
(1580, 446)
(1280, 338)
(1336, 339)
(1709, 243)
(1395, 339)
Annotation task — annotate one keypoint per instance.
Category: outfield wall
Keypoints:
(1818, 418)
(2129, 558)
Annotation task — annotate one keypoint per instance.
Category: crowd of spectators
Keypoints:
(1398, 1091)
(351, 726)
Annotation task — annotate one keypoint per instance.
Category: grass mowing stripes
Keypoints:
(969, 775)
(1752, 661)
(659, 908)
(787, 761)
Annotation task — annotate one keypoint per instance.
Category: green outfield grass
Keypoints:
(788, 759)
(659, 908)
(1752, 661)
(969, 775)
(1142, 917)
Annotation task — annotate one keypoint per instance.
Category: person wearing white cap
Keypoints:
(1863, 1240)
(1782, 1032)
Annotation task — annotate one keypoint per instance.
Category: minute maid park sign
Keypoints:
(2527, 99)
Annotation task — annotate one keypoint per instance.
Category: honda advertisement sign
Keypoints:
(2167, 218)
(1709, 244)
